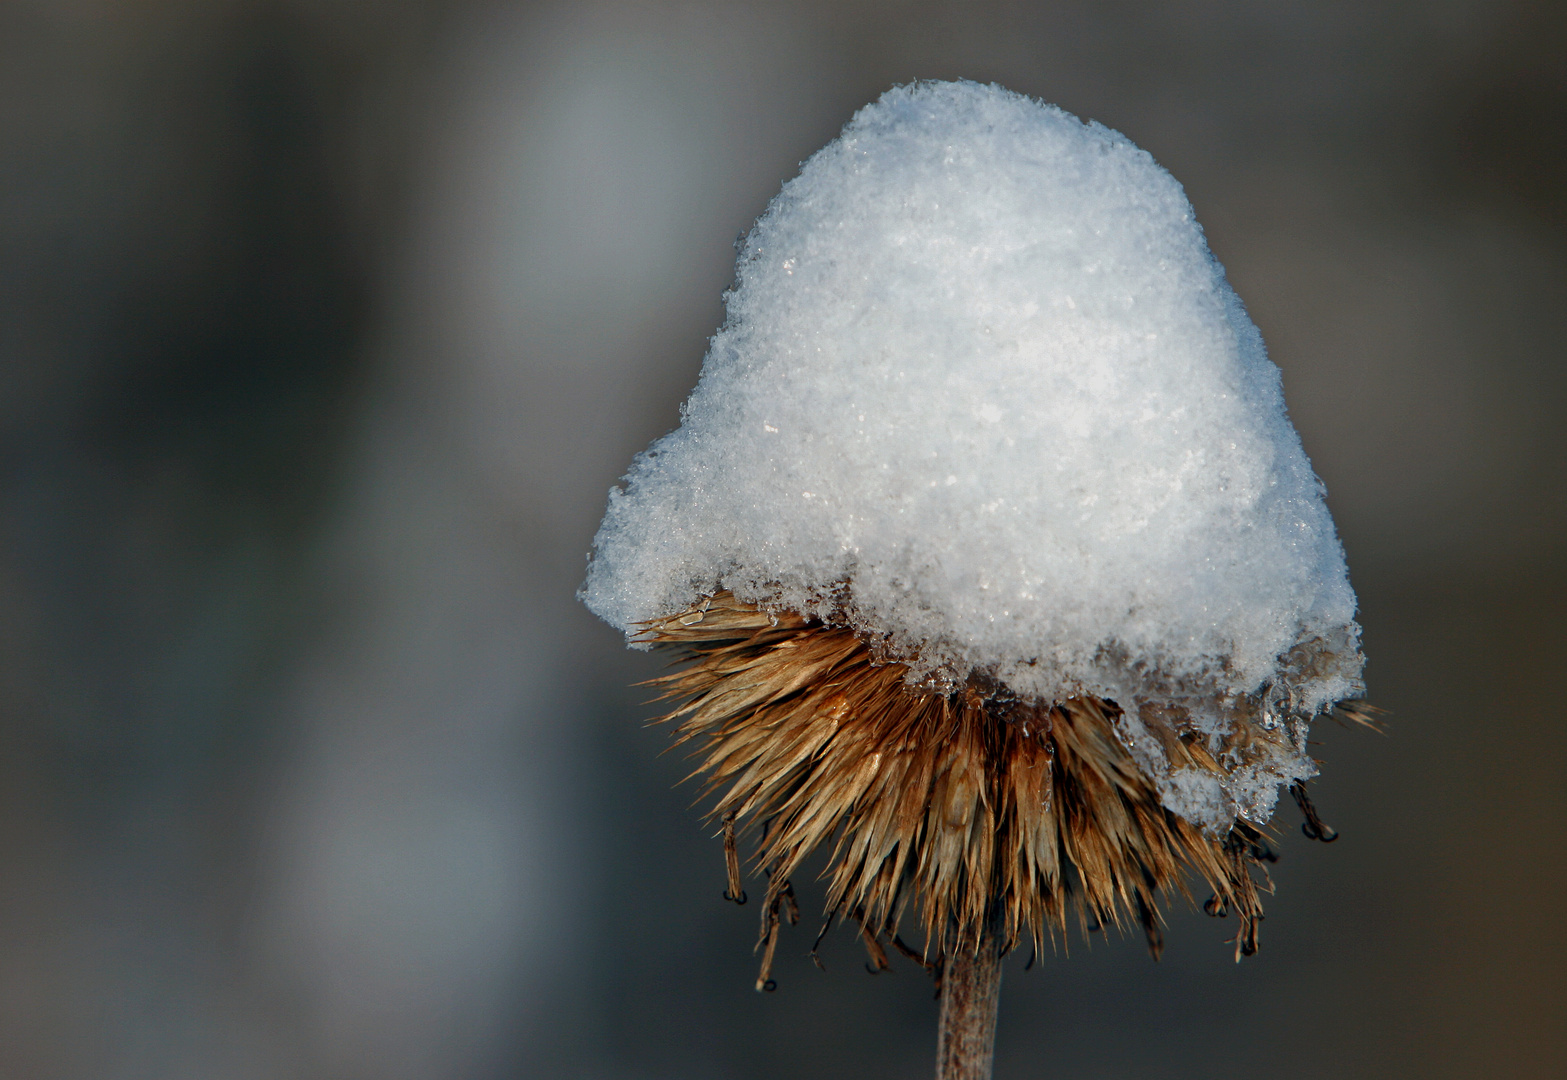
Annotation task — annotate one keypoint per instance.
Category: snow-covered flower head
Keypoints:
(985, 402)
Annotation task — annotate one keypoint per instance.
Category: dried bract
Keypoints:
(984, 813)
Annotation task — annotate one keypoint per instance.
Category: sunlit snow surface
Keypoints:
(983, 392)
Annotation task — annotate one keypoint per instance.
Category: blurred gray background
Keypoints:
(325, 326)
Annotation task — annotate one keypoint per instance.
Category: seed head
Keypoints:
(987, 814)
(1002, 575)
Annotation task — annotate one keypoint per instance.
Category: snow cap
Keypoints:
(984, 394)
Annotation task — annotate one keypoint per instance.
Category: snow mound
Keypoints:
(984, 394)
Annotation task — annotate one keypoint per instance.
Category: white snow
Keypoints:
(983, 393)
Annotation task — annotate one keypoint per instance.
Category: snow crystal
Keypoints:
(984, 394)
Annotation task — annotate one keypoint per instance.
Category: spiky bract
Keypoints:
(993, 816)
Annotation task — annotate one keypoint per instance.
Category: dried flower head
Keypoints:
(989, 814)
(1001, 572)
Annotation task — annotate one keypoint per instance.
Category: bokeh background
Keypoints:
(325, 326)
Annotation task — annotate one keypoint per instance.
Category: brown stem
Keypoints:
(970, 994)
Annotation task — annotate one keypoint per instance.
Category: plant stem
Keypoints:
(970, 994)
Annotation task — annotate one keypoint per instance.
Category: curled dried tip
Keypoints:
(768, 946)
(1246, 939)
(780, 895)
(1314, 827)
(1256, 846)
(732, 862)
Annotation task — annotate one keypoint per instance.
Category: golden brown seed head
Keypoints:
(989, 815)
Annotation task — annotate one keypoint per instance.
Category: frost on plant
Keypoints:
(984, 399)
